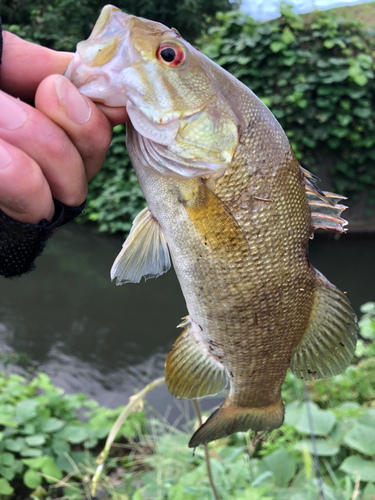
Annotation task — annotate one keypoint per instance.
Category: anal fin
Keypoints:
(145, 252)
(190, 370)
(328, 345)
(324, 206)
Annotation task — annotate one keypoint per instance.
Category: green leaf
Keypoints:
(282, 465)
(32, 479)
(277, 46)
(323, 421)
(324, 448)
(368, 307)
(357, 466)
(49, 468)
(138, 495)
(26, 410)
(7, 459)
(369, 492)
(74, 433)
(35, 463)
(31, 452)
(363, 112)
(15, 445)
(5, 487)
(287, 37)
(36, 440)
(177, 492)
(59, 446)
(361, 438)
(7, 472)
(52, 425)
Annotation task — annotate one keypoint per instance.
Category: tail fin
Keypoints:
(229, 419)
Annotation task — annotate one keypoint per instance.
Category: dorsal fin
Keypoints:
(324, 206)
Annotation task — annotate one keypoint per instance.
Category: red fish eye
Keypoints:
(171, 55)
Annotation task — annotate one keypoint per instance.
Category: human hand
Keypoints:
(52, 150)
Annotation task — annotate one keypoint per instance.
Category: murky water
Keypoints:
(91, 336)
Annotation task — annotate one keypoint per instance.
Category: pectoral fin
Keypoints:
(144, 253)
(190, 370)
(213, 220)
(328, 345)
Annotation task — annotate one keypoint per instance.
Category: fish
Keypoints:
(229, 204)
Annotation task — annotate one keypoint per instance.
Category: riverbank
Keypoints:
(49, 442)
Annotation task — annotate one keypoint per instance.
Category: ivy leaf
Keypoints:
(357, 466)
(323, 421)
(52, 425)
(31, 452)
(362, 112)
(324, 448)
(5, 487)
(287, 37)
(32, 479)
(361, 438)
(36, 440)
(59, 446)
(73, 433)
(7, 472)
(26, 410)
(282, 465)
(35, 463)
(7, 459)
(15, 445)
(276, 46)
(50, 469)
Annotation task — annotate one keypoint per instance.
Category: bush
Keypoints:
(43, 437)
(61, 24)
(316, 74)
(114, 197)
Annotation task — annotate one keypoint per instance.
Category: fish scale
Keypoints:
(228, 202)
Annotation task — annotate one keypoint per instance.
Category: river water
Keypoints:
(92, 336)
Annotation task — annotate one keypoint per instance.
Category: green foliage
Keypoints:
(43, 442)
(115, 197)
(281, 466)
(316, 74)
(61, 24)
(41, 437)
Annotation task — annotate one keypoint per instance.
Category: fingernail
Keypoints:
(72, 101)
(5, 157)
(11, 114)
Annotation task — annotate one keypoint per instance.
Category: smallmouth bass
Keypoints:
(229, 202)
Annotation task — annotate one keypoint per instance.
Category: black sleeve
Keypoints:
(20, 244)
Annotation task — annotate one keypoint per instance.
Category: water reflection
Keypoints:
(91, 336)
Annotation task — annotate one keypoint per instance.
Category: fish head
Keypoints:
(172, 99)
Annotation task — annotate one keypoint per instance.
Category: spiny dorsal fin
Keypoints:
(190, 370)
(324, 207)
(144, 253)
(328, 345)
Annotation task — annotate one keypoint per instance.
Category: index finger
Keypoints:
(25, 65)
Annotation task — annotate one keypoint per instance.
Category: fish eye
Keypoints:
(170, 54)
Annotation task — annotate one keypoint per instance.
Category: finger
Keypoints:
(87, 127)
(24, 193)
(25, 65)
(42, 140)
(116, 116)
